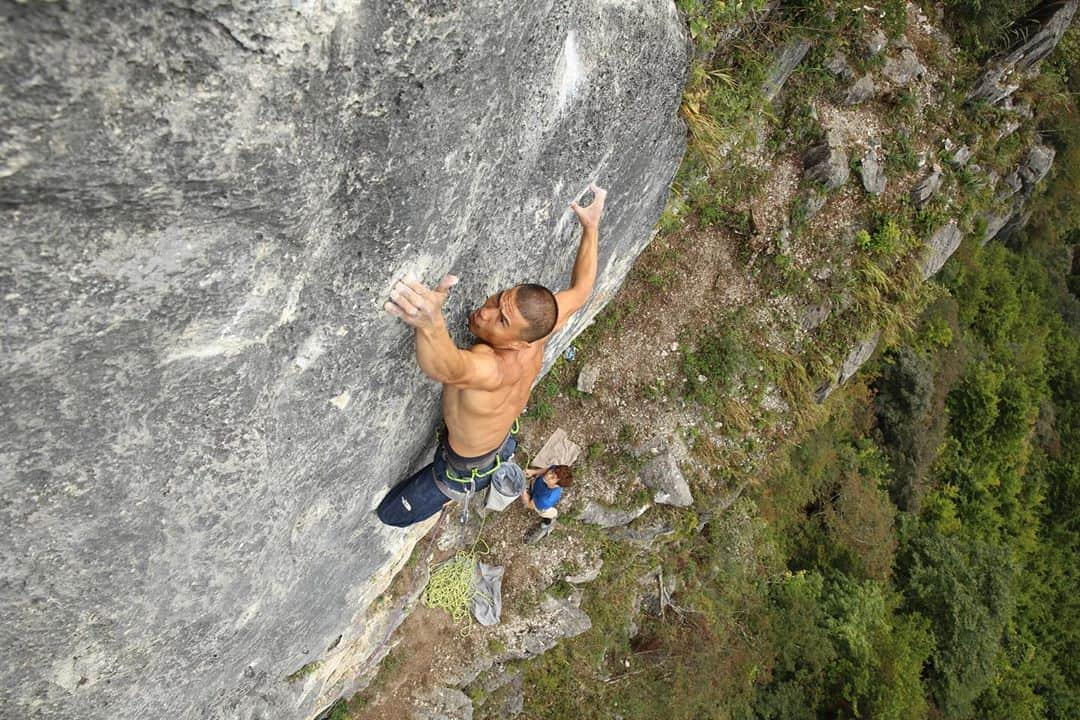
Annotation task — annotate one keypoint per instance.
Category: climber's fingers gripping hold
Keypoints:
(589, 216)
(412, 302)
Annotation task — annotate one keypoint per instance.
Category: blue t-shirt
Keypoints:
(543, 496)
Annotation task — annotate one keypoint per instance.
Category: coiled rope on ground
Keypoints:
(452, 584)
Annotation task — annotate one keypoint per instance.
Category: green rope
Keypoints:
(451, 585)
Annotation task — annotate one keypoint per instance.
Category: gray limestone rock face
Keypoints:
(785, 63)
(903, 69)
(872, 172)
(204, 207)
(927, 187)
(860, 91)
(939, 248)
(596, 514)
(1036, 36)
(827, 164)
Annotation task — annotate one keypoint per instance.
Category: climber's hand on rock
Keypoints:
(589, 216)
(418, 306)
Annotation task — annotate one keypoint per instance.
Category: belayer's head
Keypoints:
(516, 317)
(559, 476)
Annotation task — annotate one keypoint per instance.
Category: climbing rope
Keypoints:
(451, 586)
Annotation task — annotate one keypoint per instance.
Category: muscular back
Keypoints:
(479, 420)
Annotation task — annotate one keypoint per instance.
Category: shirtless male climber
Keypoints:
(486, 386)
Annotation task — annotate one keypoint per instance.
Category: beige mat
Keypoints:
(558, 450)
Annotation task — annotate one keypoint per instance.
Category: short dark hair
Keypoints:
(538, 306)
(564, 473)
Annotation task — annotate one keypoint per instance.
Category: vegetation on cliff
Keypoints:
(912, 550)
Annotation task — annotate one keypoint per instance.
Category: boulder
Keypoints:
(663, 475)
(442, 703)
(994, 224)
(814, 315)
(558, 618)
(501, 693)
(827, 164)
(586, 381)
(927, 187)
(643, 538)
(875, 43)
(596, 514)
(872, 172)
(809, 203)
(785, 63)
(587, 575)
(522, 637)
(1010, 185)
(1035, 165)
(1006, 129)
(903, 69)
(861, 90)
(939, 248)
(204, 206)
(839, 66)
(961, 156)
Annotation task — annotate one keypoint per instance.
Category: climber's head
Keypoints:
(516, 317)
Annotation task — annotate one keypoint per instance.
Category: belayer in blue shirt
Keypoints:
(545, 491)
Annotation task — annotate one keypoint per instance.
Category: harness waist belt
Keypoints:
(472, 468)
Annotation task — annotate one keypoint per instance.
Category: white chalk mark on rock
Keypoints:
(341, 400)
(571, 70)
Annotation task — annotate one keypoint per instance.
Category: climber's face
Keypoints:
(498, 322)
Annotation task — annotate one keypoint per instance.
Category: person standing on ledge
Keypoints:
(485, 387)
(543, 495)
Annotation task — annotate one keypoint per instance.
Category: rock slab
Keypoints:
(663, 475)
(203, 207)
(942, 244)
(872, 172)
(596, 514)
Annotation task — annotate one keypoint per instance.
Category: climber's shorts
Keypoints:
(448, 477)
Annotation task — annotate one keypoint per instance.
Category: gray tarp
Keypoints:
(487, 602)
